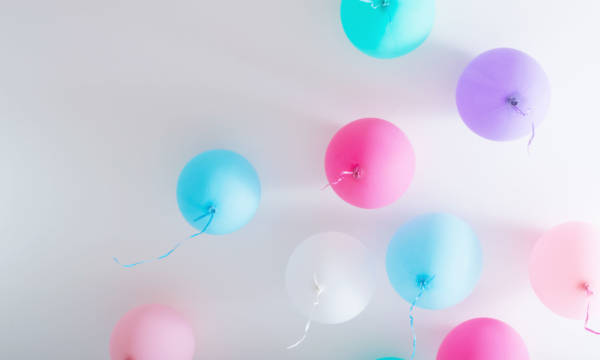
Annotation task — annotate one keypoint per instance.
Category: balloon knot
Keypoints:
(513, 101)
(588, 289)
(377, 3)
(423, 281)
(357, 172)
(318, 287)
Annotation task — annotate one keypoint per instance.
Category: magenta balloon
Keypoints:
(369, 163)
(152, 332)
(503, 94)
(483, 339)
(564, 260)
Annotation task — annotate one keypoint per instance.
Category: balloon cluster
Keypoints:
(434, 261)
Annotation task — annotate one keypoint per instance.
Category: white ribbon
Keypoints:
(318, 291)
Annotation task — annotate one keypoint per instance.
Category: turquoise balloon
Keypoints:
(438, 253)
(387, 28)
(221, 181)
(389, 358)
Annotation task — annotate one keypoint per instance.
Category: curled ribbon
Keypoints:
(318, 291)
(356, 173)
(210, 214)
(589, 294)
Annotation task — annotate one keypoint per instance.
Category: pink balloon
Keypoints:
(152, 332)
(483, 339)
(565, 260)
(369, 163)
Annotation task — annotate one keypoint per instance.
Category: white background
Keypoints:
(103, 102)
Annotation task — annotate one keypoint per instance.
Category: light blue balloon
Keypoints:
(387, 28)
(438, 252)
(219, 180)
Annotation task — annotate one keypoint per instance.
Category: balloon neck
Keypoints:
(318, 287)
(423, 281)
(357, 172)
(516, 103)
(377, 3)
(588, 290)
(210, 212)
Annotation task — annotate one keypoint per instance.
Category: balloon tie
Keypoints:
(514, 102)
(377, 3)
(589, 294)
(318, 291)
(210, 214)
(356, 173)
(422, 287)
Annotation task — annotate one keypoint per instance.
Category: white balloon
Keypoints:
(339, 265)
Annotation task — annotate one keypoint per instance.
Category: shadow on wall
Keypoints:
(344, 87)
(507, 249)
(309, 56)
(301, 108)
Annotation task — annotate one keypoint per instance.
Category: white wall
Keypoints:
(103, 102)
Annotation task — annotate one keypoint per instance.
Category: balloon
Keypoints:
(338, 264)
(503, 94)
(437, 256)
(565, 260)
(483, 339)
(152, 332)
(221, 181)
(218, 192)
(387, 28)
(369, 163)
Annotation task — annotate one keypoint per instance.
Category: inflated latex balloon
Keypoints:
(222, 182)
(218, 192)
(369, 163)
(330, 278)
(435, 258)
(565, 269)
(483, 339)
(387, 28)
(152, 332)
(503, 94)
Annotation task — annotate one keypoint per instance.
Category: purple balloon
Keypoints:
(503, 94)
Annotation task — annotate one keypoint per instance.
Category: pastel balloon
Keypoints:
(437, 254)
(152, 332)
(370, 163)
(483, 339)
(387, 28)
(503, 94)
(340, 265)
(566, 260)
(221, 181)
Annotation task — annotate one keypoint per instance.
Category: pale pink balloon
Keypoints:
(565, 260)
(369, 163)
(483, 339)
(152, 332)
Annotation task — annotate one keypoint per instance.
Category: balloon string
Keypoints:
(210, 214)
(422, 285)
(376, 3)
(356, 173)
(515, 105)
(318, 291)
(589, 293)
(531, 138)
